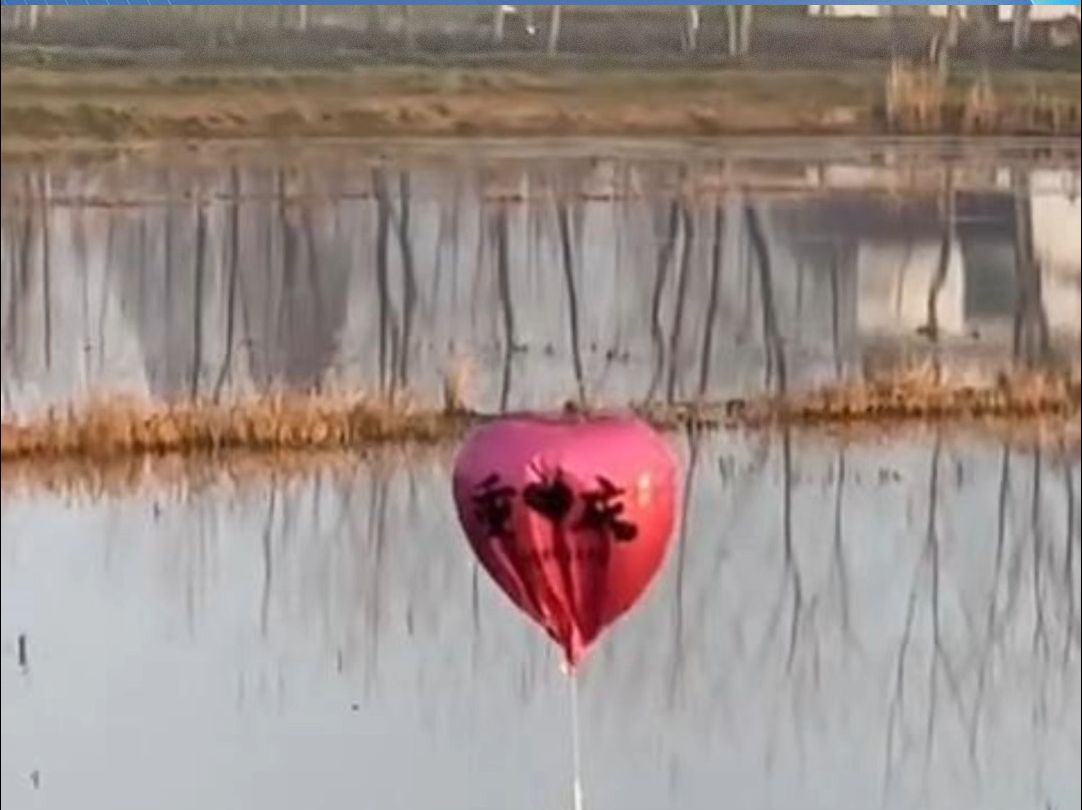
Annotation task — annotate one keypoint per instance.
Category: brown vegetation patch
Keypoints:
(106, 430)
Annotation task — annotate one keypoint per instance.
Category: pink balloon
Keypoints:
(571, 516)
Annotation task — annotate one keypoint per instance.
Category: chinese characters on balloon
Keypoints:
(552, 498)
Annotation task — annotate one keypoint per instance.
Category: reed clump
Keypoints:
(106, 430)
(919, 394)
(919, 99)
(185, 474)
(915, 96)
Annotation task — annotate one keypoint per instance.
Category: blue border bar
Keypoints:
(484, 3)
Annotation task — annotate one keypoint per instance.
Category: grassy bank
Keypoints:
(46, 109)
(109, 429)
(115, 448)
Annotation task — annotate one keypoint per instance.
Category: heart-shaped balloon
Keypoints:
(571, 516)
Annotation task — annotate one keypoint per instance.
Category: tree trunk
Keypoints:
(302, 18)
(408, 33)
(745, 29)
(691, 28)
(1019, 27)
(374, 21)
(945, 40)
(554, 30)
(954, 24)
(497, 24)
(730, 29)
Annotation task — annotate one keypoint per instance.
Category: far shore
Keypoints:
(50, 110)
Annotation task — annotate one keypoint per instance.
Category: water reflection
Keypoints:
(840, 627)
(664, 274)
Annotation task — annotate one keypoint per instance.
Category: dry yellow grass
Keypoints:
(1051, 398)
(914, 98)
(110, 448)
(182, 474)
(105, 430)
(919, 100)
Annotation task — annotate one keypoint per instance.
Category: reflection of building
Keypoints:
(64, 324)
(1057, 242)
(173, 269)
(1037, 12)
(898, 255)
(896, 280)
(986, 231)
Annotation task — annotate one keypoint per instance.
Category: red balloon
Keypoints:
(570, 516)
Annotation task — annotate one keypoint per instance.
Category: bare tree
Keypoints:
(745, 29)
(374, 23)
(408, 32)
(945, 40)
(738, 27)
(691, 28)
(554, 30)
(1019, 27)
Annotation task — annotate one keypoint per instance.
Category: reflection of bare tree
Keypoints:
(199, 271)
(46, 270)
(791, 579)
(503, 282)
(835, 308)
(377, 536)
(268, 564)
(233, 263)
(939, 278)
(1031, 336)
(566, 255)
(992, 617)
(664, 258)
(1040, 631)
(792, 569)
(20, 242)
(838, 555)
(772, 341)
(940, 667)
(681, 293)
(1072, 537)
(340, 603)
(276, 278)
(388, 321)
(409, 275)
(712, 300)
(694, 442)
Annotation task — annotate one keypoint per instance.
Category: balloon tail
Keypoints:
(576, 760)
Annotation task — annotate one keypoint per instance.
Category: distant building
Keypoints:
(1037, 13)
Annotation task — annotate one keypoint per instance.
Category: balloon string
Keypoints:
(576, 760)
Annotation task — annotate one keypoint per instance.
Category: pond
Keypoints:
(618, 272)
(838, 627)
(841, 623)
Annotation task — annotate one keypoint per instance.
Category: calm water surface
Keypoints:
(839, 625)
(621, 272)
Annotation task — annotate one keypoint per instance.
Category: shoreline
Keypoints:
(109, 429)
(49, 111)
